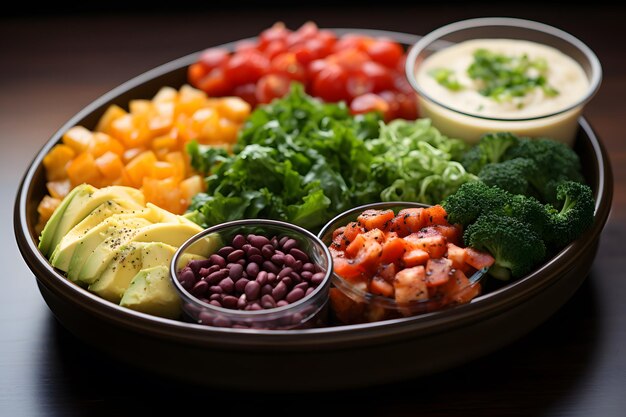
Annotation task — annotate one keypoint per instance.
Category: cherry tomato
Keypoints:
(352, 41)
(275, 48)
(278, 32)
(378, 74)
(246, 67)
(402, 84)
(394, 107)
(407, 106)
(315, 67)
(245, 45)
(350, 59)
(369, 102)
(271, 86)
(195, 72)
(305, 32)
(330, 83)
(247, 92)
(359, 84)
(215, 83)
(287, 65)
(213, 58)
(385, 52)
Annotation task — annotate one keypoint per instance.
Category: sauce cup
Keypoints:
(452, 119)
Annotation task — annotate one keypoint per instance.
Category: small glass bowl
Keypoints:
(560, 124)
(309, 311)
(366, 307)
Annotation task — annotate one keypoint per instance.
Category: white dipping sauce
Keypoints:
(563, 74)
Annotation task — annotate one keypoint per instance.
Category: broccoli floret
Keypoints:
(513, 175)
(490, 149)
(575, 215)
(530, 211)
(556, 162)
(473, 199)
(515, 247)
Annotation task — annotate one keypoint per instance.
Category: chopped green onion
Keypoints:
(446, 78)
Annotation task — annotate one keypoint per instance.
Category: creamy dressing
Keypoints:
(563, 74)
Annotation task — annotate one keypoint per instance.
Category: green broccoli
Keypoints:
(490, 149)
(473, 199)
(530, 211)
(516, 248)
(574, 217)
(513, 175)
(556, 162)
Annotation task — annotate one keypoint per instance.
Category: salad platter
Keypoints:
(334, 356)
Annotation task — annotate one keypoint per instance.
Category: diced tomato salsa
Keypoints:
(414, 259)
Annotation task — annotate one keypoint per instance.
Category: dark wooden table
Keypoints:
(53, 65)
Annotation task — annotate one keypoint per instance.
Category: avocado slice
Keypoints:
(126, 263)
(112, 233)
(151, 291)
(62, 254)
(174, 234)
(77, 205)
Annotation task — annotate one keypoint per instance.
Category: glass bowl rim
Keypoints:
(433, 37)
(268, 314)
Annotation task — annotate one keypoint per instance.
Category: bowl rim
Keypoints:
(287, 340)
(269, 314)
(433, 38)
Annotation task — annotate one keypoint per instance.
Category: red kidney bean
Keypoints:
(281, 303)
(294, 295)
(187, 278)
(282, 240)
(270, 266)
(235, 255)
(279, 291)
(306, 275)
(289, 245)
(258, 241)
(317, 278)
(252, 269)
(240, 285)
(257, 259)
(253, 251)
(309, 291)
(284, 272)
(225, 251)
(308, 266)
(255, 306)
(287, 281)
(221, 321)
(196, 264)
(242, 302)
(266, 289)
(303, 286)
(299, 255)
(216, 289)
(278, 259)
(217, 297)
(235, 272)
(290, 260)
(217, 276)
(267, 301)
(239, 241)
(217, 260)
(271, 277)
(267, 251)
(227, 285)
(297, 266)
(199, 288)
(261, 278)
(295, 277)
(230, 301)
(274, 241)
(215, 303)
(253, 290)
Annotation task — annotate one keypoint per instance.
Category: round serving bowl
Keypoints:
(323, 358)
(461, 112)
(260, 274)
(361, 306)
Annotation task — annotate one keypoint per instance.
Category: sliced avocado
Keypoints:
(111, 233)
(174, 234)
(46, 240)
(78, 204)
(62, 254)
(151, 291)
(119, 273)
(129, 260)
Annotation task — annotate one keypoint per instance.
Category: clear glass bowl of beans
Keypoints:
(254, 274)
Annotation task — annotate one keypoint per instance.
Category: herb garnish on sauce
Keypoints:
(501, 77)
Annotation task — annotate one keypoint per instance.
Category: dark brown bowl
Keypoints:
(310, 359)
